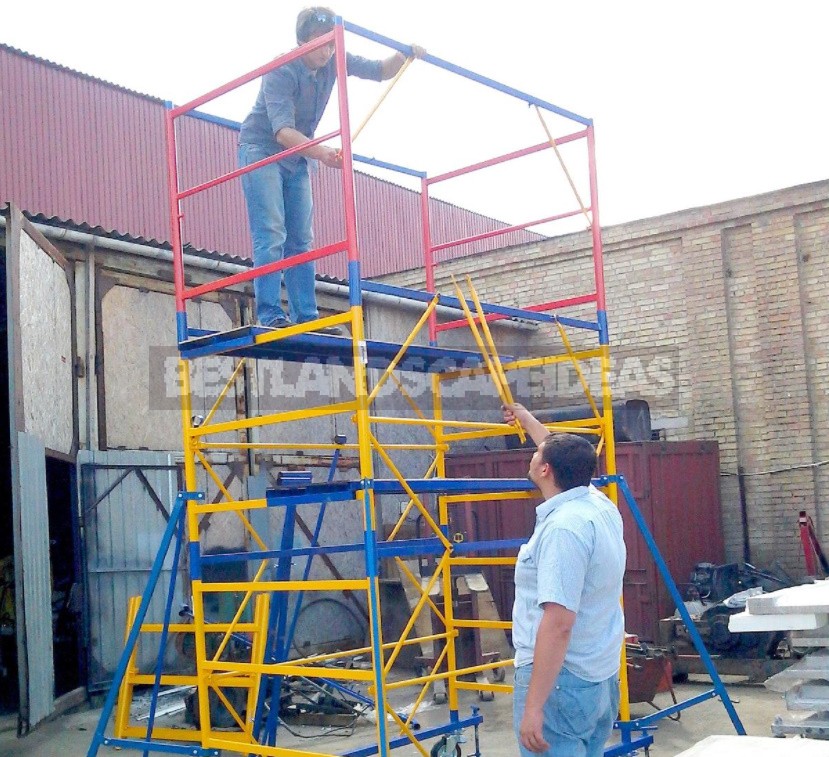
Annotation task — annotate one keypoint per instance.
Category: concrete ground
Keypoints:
(70, 735)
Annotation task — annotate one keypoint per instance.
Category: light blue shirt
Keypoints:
(575, 558)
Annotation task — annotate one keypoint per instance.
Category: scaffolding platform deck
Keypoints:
(247, 341)
(347, 490)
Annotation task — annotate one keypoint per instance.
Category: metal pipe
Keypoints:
(97, 241)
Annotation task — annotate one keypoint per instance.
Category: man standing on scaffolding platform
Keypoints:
(291, 101)
(568, 625)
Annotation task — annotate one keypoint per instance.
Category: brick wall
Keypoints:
(719, 318)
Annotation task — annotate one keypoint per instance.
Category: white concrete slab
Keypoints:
(756, 746)
(746, 621)
(809, 598)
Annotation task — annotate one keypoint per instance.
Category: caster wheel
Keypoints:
(486, 696)
(439, 697)
(440, 750)
(499, 675)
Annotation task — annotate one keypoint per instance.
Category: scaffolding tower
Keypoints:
(247, 683)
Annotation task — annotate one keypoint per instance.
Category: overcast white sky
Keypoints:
(693, 102)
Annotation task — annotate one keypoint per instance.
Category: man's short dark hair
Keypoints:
(311, 22)
(572, 458)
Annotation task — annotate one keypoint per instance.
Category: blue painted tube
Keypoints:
(629, 747)
(389, 166)
(467, 74)
(132, 638)
(355, 294)
(423, 735)
(719, 687)
(181, 326)
(370, 538)
(488, 546)
(165, 628)
(332, 469)
(678, 707)
(604, 332)
(269, 554)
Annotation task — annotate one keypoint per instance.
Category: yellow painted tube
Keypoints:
(273, 418)
(225, 390)
(403, 347)
(493, 354)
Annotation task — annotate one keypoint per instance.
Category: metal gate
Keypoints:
(126, 497)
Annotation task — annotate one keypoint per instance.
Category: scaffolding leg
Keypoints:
(719, 689)
(99, 737)
(165, 628)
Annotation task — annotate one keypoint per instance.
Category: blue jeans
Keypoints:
(280, 212)
(578, 714)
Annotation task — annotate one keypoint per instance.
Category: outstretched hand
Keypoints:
(515, 414)
(418, 52)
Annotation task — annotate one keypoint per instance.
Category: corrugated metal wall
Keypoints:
(80, 149)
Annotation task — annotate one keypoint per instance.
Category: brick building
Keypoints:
(719, 319)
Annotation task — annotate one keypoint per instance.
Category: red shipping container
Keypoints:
(677, 488)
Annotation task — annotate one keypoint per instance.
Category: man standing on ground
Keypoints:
(568, 626)
(291, 101)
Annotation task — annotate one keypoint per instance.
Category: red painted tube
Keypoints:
(253, 166)
(349, 204)
(506, 230)
(308, 47)
(509, 156)
(175, 211)
(596, 229)
(253, 273)
(543, 307)
(428, 255)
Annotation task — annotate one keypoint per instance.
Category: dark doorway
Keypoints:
(9, 693)
(67, 590)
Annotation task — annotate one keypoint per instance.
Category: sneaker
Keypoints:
(329, 331)
(280, 322)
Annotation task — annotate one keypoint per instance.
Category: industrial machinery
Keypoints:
(715, 593)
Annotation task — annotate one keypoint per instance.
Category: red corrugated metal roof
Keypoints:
(92, 154)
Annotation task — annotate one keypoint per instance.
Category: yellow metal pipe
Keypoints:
(424, 689)
(289, 669)
(404, 728)
(497, 688)
(409, 505)
(231, 507)
(514, 365)
(273, 419)
(298, 446)
(224, 391)
(223, 741)
(242, 605)
(403, 347)
(563, 166)
(453, 673)
(350, 584)
(365, 650)
(584, 385)
(356, 132)
(413, 405)
(408, 489)
(505, 625)
(414, 581)
(483, 561)
(228, 496)
(415, 612)
(301, 328)
(493, 353)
